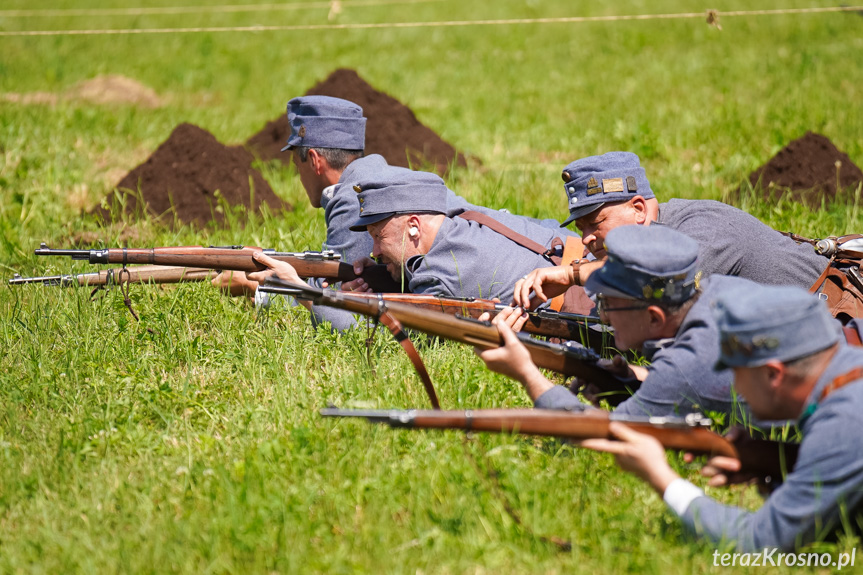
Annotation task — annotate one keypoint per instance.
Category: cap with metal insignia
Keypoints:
(592, 182)
(758, 323)
(655, 264)
(393, 190)
(326, 122)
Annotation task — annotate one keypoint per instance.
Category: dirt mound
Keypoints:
(186, 171)
(392, 130)
(111, 89)
(115, 89)
(810, 168)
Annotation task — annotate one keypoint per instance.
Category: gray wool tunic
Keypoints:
(680, 378)
(341, 210)
(470, 260)
(826, 482)
(734, 243)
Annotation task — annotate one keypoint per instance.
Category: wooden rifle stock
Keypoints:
(683, 434)
(547, 323)
(759, 458)
(566, 358)
(325, 265)
(109, 277)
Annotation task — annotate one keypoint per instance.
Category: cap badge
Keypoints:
(566, 177)
(593, 187)
(631, 185)
(612, 185)
(302, 132)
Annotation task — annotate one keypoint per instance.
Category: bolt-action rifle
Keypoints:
(567, 358)
(760, 458)
(325, 265)
(544, 322)
(112, 277)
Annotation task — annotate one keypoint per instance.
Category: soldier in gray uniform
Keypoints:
(407, 215)
(612, 190)
(652, 293)
(789, 361)
(327, 140)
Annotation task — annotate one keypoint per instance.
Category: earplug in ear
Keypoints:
(412, 232)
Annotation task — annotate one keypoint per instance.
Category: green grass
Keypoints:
(198, 448)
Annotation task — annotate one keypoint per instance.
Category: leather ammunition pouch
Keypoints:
(574, 300)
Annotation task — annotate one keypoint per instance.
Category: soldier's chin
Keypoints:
(597, 251)
(395, 271)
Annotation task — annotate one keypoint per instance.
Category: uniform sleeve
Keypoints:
(827, 481)
(341, 213)
(559, 397)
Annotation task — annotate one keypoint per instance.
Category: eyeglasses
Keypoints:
(601, 306)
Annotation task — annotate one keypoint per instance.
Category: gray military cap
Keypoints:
(325, 122)
(649, 263)
(760, 323)
(395, 190)
(592, 182)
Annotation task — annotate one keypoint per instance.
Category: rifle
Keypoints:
(111, 277)
(567, 358)
(324, 265)
(758, 457)
(544, 322)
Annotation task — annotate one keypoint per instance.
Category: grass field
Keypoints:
(197, 448)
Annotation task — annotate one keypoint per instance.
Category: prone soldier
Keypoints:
(789, 362)
(653, 294)
(612, 190)
(327, 141)
(407, 216)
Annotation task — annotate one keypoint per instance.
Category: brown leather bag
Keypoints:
(843, 297)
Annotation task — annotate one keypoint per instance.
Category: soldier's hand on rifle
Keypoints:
(636, 453)
(725, 471)
(513, 360)
(359, 284)
(282, 270)
(545, 283)
(515, 318)
(235, 284)
(617, 366)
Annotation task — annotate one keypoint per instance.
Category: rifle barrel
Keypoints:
(683, 434)
(548, 323)
(324, 265)
(566, 358)
(136, 274)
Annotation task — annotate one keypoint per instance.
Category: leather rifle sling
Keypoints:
(398, 332)
(852, 336)
(493, 224)
(820, 281)
(841, 381)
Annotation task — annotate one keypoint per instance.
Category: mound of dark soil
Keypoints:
(185, 172)
(811, 168)
(392, 130)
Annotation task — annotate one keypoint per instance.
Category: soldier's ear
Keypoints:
(776, 372)
(319, 163)
(639, 206)
(658, 320)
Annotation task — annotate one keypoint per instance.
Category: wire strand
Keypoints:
(711, 15)
(199, 9)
